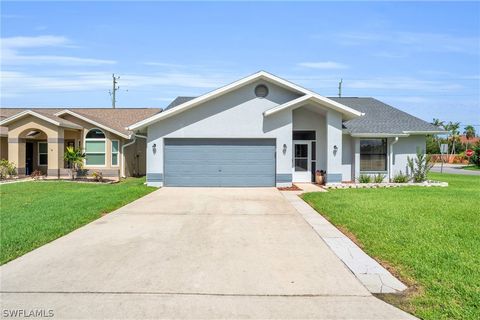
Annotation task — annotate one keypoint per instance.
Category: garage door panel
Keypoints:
(220, 162)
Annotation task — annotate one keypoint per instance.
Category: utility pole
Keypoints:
(114, 89)
(340, 88)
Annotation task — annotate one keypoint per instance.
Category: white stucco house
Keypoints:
(266, 131)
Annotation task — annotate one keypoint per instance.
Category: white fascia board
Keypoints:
(289, 104)
(194, 102)
(426, 132)
(28, 113)
(99, 125)
(378, 135)
(232, 86)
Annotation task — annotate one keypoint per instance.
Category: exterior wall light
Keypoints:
(335, 148)
(284, 148)
(154, 148)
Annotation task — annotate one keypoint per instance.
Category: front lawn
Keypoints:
(35, 213)
(471, 167)
(429, 235)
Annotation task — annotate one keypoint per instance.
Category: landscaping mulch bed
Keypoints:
(292, 188)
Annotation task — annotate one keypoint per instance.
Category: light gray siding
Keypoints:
(220, 162)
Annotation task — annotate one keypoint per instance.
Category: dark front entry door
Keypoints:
(28, 158)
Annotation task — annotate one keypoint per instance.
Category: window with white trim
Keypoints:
(42, 153)
(95, 148)
(373, 155)
(115, 145)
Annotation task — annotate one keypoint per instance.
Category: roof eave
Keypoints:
(95, 123)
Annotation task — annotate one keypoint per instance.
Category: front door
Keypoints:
(301, 161)
(28, 158)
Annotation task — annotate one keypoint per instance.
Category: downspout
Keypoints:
(135, 136)
(391, 159)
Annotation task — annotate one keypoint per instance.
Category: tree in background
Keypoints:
(469, 133)
(453, 135)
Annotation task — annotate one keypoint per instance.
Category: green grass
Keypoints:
(430, 236)
(35, 213)
(471, 167)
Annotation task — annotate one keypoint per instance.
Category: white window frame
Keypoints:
(85, 148)
(117, 153)
(39, 153)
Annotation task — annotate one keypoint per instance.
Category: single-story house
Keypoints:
(258, 131)
(266, 131)
(35, 139)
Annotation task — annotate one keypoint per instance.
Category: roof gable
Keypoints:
(57, 121)
(262, 75)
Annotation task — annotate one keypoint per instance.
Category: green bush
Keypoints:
(378, 178)
(365, 178)
(7, 169)
(400, 178)
(475, 159)
(419, 167)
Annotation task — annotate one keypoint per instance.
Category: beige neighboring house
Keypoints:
(36, 138)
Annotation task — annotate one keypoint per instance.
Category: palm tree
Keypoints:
(438, 123)
(75, 158)
(454, 134)
(469, 133)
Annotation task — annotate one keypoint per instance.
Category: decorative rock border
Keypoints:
(429, 183)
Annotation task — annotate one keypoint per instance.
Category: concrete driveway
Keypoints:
(192, 253)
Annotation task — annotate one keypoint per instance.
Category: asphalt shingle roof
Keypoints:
(118, 119)
(381, 118)
(179, 100)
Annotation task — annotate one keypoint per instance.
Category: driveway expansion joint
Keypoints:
(371, 274)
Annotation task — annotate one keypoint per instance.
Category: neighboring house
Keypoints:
(35, 139)
(266, 131)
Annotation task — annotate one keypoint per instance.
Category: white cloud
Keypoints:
(413, 41)
(403, 83)
(14, 82)
(323, 65)
(32, 42)
(11, 51)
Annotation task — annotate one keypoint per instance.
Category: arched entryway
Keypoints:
(33, 151)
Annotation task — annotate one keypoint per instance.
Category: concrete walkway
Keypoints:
(192, 253)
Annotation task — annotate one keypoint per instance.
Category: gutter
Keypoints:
(135, 136)
(391, 160)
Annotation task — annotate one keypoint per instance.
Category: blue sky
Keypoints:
(423, 58)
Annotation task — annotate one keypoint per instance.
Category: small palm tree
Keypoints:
(469, 133)
(75, 158)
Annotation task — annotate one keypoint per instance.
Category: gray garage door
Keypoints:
(220, 162)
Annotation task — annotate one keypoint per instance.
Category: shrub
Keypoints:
(401, 178)
(378, 178)
(36, 174)
(475, 159)
(7, 169)
(97, 176)
(419, 167)
(364, 178)
(75, 159)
